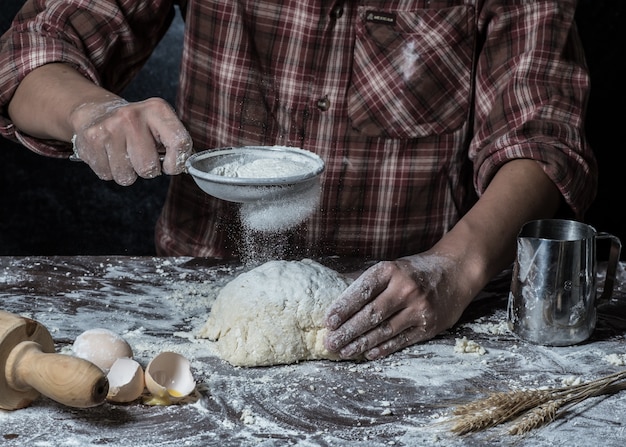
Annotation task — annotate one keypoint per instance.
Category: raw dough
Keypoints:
(273, 314)
(465, 346)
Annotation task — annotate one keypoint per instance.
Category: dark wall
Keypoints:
(58, 207)
(602, 30)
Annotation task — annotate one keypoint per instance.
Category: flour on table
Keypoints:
(616, 359)
(273, 314)
(480, 327)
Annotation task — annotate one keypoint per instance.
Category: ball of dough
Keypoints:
(273, 314)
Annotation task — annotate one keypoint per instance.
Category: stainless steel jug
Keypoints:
(553, 289)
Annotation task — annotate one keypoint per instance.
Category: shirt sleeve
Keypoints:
(532, 87)
(107, 41)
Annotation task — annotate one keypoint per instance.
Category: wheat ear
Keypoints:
(534, 408)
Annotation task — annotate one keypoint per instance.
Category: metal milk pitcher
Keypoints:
(553, 289)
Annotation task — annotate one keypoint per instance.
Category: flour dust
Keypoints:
(269, 224)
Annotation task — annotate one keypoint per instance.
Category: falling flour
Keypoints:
(267, 222)
(277, 213)
(280, 213)
(267, 225)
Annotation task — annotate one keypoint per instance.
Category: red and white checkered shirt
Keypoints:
(412, 104)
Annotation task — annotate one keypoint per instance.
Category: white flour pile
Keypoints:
(261, 168)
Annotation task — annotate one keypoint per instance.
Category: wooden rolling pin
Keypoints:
(29, 367)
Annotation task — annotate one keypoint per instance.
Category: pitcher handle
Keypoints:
(611, 267)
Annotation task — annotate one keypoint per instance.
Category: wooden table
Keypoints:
(158, 304)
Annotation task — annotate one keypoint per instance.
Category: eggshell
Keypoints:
(168, 377)
(101, 347)
(126, 381)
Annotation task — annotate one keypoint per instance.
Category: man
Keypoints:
(444, 126)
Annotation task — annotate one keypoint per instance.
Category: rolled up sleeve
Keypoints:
(531, 97)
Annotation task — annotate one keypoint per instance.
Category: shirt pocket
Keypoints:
(411, 71)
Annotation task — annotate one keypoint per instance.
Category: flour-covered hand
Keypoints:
(392, 305)
(122, 141)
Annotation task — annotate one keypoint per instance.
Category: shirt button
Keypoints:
(323, 103)
(336, 12)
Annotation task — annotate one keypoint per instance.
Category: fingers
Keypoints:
(141, 155)
(400, 330)
(388, 308)
(178, 146)
(361, 314)
(349, 339)
(96, 146)
(122, 142)
(350, 345)
(385, 339)
(357, 295)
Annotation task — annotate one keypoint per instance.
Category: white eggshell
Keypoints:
(126, 381)
(101, 347)
(168, 376)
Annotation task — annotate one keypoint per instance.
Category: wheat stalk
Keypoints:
(495, 409)
(536, 417)
(530, 408)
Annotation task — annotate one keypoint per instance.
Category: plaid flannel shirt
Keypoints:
(412, 104)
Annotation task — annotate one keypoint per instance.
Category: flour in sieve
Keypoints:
(261, 168)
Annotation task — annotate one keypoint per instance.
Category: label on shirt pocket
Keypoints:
(412, 71)
(385, 18)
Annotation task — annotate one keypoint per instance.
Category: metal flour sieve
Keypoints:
(213, 173)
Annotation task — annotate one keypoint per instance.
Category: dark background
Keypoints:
(58, 207)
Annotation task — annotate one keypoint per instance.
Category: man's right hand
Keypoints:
(122, 141)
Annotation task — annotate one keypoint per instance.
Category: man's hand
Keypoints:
(395, 304)
(121, 141)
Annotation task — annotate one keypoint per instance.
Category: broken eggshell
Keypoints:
(126, 381)
(168, 378)
(101, 347)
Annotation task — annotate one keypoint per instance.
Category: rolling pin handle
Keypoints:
(68, 380)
